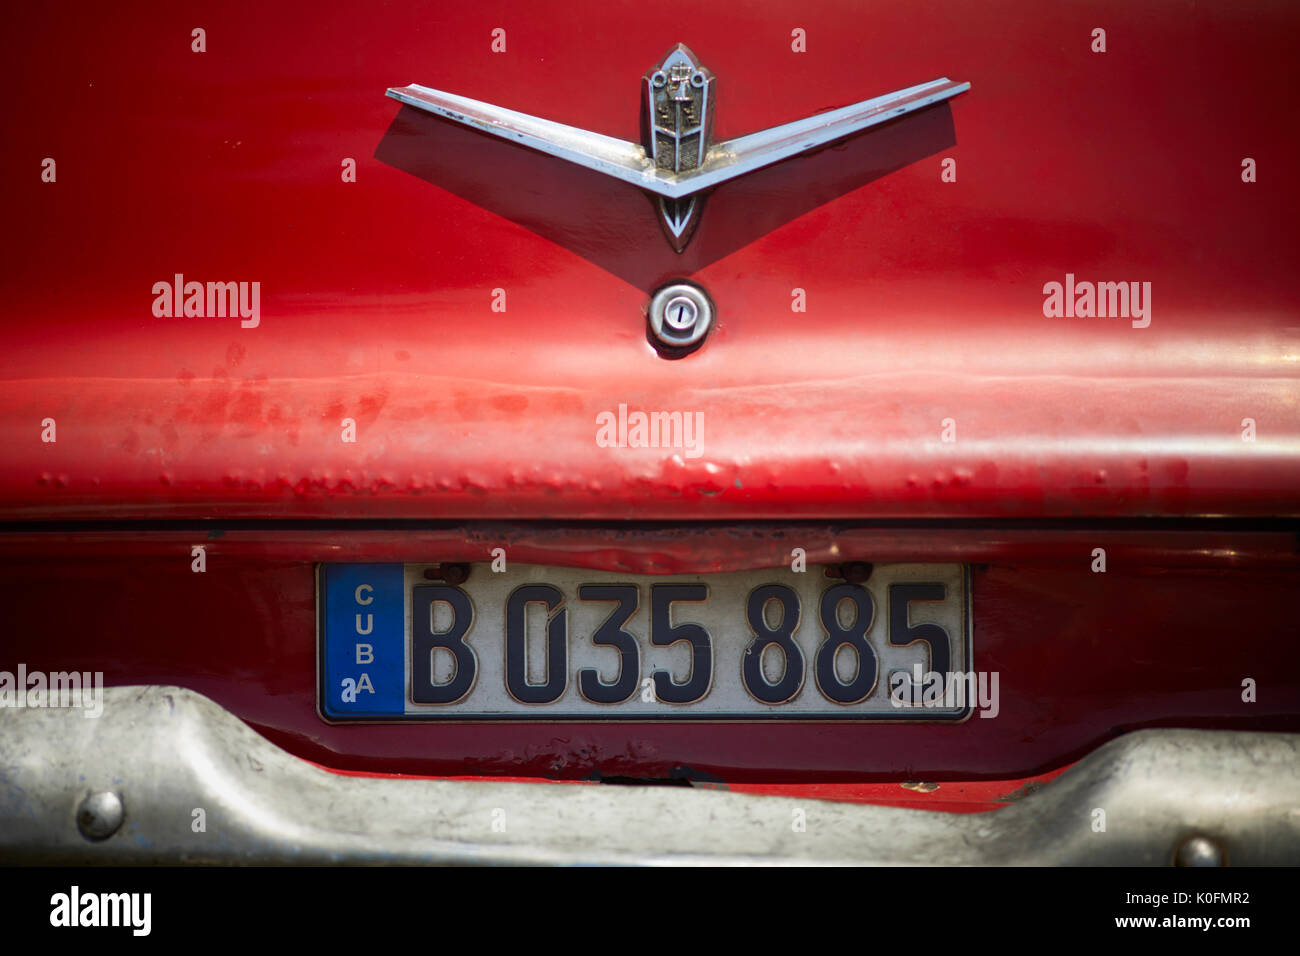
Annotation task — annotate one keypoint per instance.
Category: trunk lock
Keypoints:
(680, 317)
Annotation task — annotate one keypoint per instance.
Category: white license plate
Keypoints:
(548, 643)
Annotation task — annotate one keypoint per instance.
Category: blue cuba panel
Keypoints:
(363, 667)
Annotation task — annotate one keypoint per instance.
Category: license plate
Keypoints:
(547, 643)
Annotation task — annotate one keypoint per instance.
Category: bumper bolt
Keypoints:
(99, 815)
(1198, 851)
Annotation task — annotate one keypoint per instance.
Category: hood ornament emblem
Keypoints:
(678, 120)
(677, 162)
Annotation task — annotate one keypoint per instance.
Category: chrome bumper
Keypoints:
(166, 775)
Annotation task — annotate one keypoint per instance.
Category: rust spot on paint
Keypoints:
(1021, 793)
(369, 405)
(246, 408)
(919, 786)
(466, 405)
(510, 404)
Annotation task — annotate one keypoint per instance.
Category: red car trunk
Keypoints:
(893, 376)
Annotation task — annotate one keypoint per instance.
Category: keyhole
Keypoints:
(681, 314)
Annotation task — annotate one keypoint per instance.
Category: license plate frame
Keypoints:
(485, 638)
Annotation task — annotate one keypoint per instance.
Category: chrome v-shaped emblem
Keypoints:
(677, 161)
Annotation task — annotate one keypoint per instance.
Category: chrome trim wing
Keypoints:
(735, 157)
(605, 154)
(628, 161)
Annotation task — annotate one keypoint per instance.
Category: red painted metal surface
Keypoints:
(967, 796)
(686, 549)
(958, 796)
(924, 298)
(1081, 657)
(924, 303)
